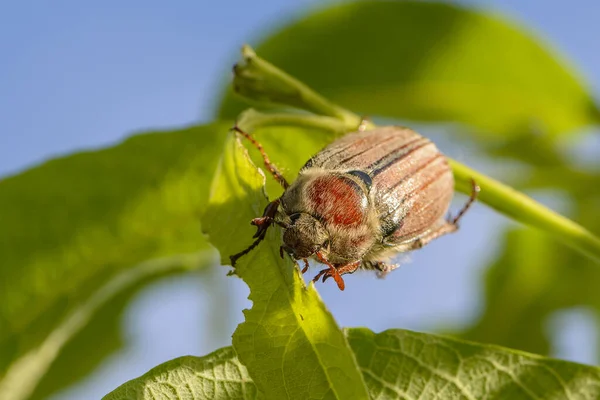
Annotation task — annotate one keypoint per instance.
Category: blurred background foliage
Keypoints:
(91, 217)
(486, 83)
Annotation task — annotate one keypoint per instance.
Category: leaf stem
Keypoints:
(524, 209)
(260, 80)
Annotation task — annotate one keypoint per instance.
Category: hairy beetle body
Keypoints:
(364, 198)
(374, 191)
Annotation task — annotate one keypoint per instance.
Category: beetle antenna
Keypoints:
(268, 164)
(475, 189)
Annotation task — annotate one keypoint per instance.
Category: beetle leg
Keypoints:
(344, 269)
(337, 273)
(382, 267)
(445, 228)
(235, 257)
(305, 265)
(331, 271)
(320, 274)
(268, 164)
(451, 224)
(282, 251)
(475, 189)
(262, 224)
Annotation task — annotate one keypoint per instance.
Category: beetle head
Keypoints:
(304, 236)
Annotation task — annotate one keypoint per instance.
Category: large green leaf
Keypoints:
(395, 364)
(430, 62)
(217, 376)
(409, 365)
(72, 225)
(289, 341)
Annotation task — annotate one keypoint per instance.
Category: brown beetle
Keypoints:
(364, 198)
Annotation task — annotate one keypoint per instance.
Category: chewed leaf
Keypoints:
(289, 342)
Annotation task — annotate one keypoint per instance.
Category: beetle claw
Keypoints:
(320, 274)
(331, 271)
(340, 281)
(328, 273)
(305, 265)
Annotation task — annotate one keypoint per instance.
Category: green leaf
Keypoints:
(396, 364)
(72, 225)
(430, 62)
(217, 376)
(289, 341)
(25, 372)
(399, 364)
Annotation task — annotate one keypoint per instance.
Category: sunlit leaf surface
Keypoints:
(289, 342)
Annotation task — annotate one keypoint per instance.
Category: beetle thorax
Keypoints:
(329, 212)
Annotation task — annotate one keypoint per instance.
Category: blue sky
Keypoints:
(80, 75)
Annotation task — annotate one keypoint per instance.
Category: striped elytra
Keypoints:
(364, 198)
(411, 182)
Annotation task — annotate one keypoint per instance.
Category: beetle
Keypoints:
(361, 200)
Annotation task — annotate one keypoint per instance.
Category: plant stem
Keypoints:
(251, 119)
(524, 209)
(260, 80)
(277, 86)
